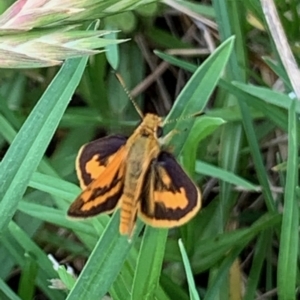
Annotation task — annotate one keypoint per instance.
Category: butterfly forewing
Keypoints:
(93, 158)
(169, 198)
(103, 193)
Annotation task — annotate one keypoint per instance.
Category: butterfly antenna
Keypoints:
(185, 117)
(129, 96)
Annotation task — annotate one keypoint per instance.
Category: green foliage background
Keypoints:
(243, 153)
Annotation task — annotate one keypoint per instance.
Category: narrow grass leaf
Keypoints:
(197, 91)
(272, 112)
(28, 276)
(112, 53)
(203, 127)
(192, 287)
(206, 10)
(7, 291)
(254, 147)
(149, 263)
(161, 294)
(104, 264)
(216, 172)
(211, 250)
(20, 244)
(120, 289)
(27, 149)
(222, 274)
(288, 249)
(279, 70)
(176, 61)
(29, 246)
(57, 217)
(54, 186)
(268, 95)
(173, 290)
(67, 278)
(257, 263)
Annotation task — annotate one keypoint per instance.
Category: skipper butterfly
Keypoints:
(137, 176)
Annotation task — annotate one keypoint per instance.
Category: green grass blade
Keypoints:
(67, 278)
(213, 171)
(104, 263)
(203, 127)
(268, 95)
(28, 147)
(255, 152)
(29, 246)
(257, 263)
(57, 217)
(112, 51)
(54, 186)
(279, 70)
(173, 290)
(197, 91)
(28, 276)
(228, 17)
(149, 263)
(26, 245)
(288, 250)
(176, 61)
(192, 287)
(210, 251)
(273, 113)
(7, 291)
(221, 275)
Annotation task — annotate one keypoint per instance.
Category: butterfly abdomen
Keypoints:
(128, 213)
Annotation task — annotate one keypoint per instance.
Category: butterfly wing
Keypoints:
(169, 198)
(94, 157)
(103, 193)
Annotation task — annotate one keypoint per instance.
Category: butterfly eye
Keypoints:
(159, 131)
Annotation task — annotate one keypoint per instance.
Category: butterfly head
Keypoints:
(151, 125)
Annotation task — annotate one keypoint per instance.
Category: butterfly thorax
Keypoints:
(142, 148)
(149, 126)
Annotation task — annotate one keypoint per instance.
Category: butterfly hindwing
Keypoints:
(169, 198)
(102, 194)
(94, 157)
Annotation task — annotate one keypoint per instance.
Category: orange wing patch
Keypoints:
(171, 198)
(93, 158)
(102, 194)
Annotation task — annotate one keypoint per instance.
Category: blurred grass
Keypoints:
(248, 225)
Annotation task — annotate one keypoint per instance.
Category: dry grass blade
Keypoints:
(282, 44)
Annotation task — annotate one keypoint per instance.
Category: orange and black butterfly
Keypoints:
(138, 177)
